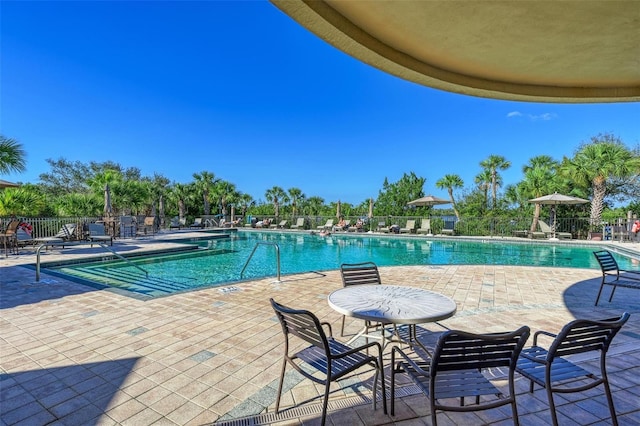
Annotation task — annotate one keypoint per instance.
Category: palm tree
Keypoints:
(276, 195)
(594, 164)
(297, 197)
(180, 193)
(205, 182)
(314, 204)
(449, 182)
(492, 164)
(12, 156)
(483, 180)
(245, 201)
(537, 182)
(225, 192)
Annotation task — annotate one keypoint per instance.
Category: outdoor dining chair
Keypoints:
(456, 370)
(550, 369)
(326, 355)
(614, 276)
(358, 274)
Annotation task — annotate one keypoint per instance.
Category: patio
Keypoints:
(75, 355)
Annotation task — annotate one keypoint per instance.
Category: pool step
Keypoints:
(129, 278)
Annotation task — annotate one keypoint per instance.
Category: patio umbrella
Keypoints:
(233, 213)
(7, 184)
(429, 200)
(108, 210)
(370, 208)
(338, 210)
(553, 200)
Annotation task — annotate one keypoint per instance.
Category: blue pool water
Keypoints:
(220, 261)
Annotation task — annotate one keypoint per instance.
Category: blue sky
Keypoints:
(243, 91)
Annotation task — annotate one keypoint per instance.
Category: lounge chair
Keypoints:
(455, 371)
(66, 233)
(283, 224)
(409, 228)
(382, 227)
(550, 369)
(177, 223)
(337, 228)
(10, 237)
(549, 233)
(197, 223)
(97, 233)
(327, 225)
(425, 227)
(299, 224)
(149, 225)
(325, 355)
(449, 227)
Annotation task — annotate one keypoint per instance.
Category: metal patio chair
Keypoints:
(550, 369)
(326, 355)
(614, 276)
(358, 274)
(455, 370)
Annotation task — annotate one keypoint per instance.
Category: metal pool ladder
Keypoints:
(266, 243)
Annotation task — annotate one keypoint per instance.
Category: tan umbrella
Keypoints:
(233, 212)
(553, 200)
(7, 184)
(338, 210)
(370, 208)
(429, 200)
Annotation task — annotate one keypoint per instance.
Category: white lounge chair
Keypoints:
(425, 227)
(327, 225)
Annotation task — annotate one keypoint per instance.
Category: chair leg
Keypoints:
(325, 402)
(599, 293)
(284, 367)
(612, 292)
(552, 406)
(612, 410)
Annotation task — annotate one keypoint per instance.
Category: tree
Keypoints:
(492, 164)
(180, 193)
(538, 181)
(393, 198)
(225, 192)
(275, 195)
(23, 201)
(313, 205)
(296, 197)
(12, 156)
(450, 182)
(483, 180)
(596, 164)
(205, 183)
(245, 201)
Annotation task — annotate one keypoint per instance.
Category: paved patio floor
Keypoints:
(74, 355)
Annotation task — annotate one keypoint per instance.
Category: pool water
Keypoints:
(220, 261)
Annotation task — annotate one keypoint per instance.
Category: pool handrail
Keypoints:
(66, 243)
(268, 243)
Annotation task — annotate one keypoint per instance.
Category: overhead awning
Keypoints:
(537, 51)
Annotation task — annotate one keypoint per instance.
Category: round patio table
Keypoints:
(392, 304)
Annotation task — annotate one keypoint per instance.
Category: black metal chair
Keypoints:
(358, 274)
(549, 369)
(455, 370)
(611, 274)
(332, 358)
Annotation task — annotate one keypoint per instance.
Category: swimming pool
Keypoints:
(220, 261)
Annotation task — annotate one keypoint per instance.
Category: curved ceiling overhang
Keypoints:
(535, 51)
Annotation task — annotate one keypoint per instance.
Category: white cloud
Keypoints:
(547, 116)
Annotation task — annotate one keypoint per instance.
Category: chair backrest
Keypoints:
(411, 224)
(12, 227)
(302, 324)
(586, 335)
(449, 224)
(459, 350)
(300, 222)
(606, 260)
(425, 224)
(544, 227)
(197, 221)
(359, 273)
(329, 223)
(150, 221)
(282, 223)
(96, 230)
(67, 231)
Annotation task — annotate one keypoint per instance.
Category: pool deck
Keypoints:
(74, 355)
